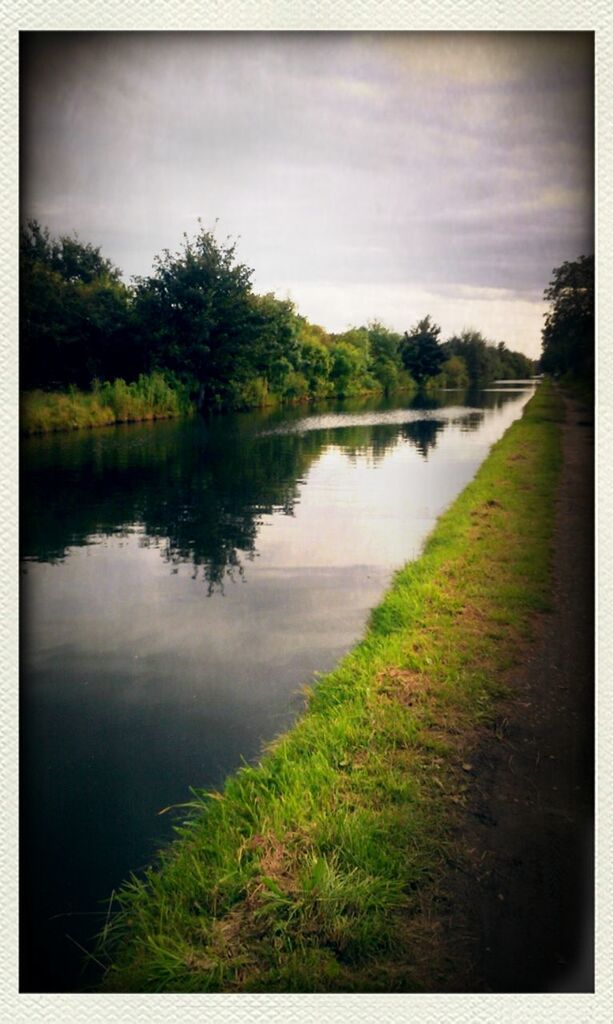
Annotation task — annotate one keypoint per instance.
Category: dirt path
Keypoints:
(520, 919)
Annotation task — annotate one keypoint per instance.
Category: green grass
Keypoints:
(317, 869)
(153, 396)
(150, 397)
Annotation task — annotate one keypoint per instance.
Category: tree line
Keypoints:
(197, 320)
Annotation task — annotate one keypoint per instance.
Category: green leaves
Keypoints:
(422, 354)
(73, 310)
(568, 335)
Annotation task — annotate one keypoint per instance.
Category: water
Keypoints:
(180, 582)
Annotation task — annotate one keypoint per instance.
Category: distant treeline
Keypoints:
(196, 321)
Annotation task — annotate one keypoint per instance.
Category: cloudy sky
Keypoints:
(366, 175)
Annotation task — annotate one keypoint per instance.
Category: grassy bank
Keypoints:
(316, 870)
(150, 397)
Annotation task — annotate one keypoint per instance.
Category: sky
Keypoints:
(364, 175)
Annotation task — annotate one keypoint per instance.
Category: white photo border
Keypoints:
(298, 15)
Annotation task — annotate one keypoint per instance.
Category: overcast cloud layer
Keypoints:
(367, 175)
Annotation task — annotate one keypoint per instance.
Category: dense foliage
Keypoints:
(484, 361)
(74, 312)
(196, 321)
(568, 335)
(421, 350)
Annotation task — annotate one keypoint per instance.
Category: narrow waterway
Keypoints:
(180, 582)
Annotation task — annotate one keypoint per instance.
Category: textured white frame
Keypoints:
(537, 15)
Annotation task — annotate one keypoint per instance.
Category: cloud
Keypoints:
(488, 58)
(385, 161)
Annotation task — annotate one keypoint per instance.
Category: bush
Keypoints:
(152, 396)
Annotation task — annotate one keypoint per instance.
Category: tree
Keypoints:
(73, 311)
(385, 362)
(315, 365)
(481, 359)
(274, 352)
(422, 355)
(514, 365)
(455, 372)
(347, 367)
(484, 361)
(196, 316)
(67, 256)
(568, 334)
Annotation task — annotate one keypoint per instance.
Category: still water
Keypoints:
(180, 582)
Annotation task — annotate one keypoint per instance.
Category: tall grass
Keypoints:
(317, 868)
(150, 397)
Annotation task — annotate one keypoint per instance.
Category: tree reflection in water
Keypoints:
(198, 489)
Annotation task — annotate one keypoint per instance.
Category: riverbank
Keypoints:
(151, 397)
(319, 868)
(154, 397)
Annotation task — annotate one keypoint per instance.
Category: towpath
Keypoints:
(519, 912)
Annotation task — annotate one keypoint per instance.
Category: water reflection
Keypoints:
(198, 490)
(423, 434)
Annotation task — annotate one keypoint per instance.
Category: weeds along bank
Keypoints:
(315, 869)
(150, 397)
